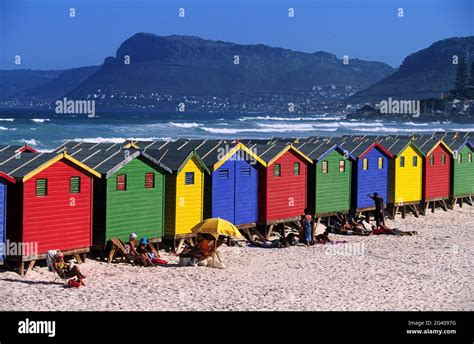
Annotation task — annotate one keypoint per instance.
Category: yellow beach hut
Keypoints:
(184, 187)
(405, 175)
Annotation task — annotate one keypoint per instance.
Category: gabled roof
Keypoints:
(457, 144)
(318, 148)
(105, 158)
(428, 144)
(25, 166)
(272, 152)
(172, 154)
(17, 149)
(396, 145)
(359, 147)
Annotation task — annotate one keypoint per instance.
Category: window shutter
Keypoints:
(415, 161)
(189, 178)
(402, 161)
(380, 163)
(149, 181)
(277, 170)
(296, 169)
(324, 166)
(121, 182)
(246, 171)
(431, 159)
(223, 173)
(365, 164)
(75, 185)
(41, 187)
(342, 166)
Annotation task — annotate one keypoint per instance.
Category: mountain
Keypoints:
(13, 83)
(61, 85)
(185, 66)
(425, 74)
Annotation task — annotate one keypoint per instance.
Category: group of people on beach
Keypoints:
(351, 224)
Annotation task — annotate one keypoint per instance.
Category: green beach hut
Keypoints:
(130, 195)
(462, 176)
(329, 177)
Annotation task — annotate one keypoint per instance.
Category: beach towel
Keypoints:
(159, 261)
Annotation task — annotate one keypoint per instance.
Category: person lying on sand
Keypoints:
(383, 229)
(323, 238)
(67, 270)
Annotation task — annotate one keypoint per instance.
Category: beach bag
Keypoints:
(74, 283)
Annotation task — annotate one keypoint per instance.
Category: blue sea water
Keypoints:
(47, 131)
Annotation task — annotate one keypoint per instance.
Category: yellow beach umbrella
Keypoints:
(217, 226)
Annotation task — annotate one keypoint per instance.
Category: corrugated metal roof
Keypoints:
(105, 158)
(19, 165)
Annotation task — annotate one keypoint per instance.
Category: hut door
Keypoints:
(245, 192)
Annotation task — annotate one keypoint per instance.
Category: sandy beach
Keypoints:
(430, 271)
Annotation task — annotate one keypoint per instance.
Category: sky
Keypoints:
(45, 36)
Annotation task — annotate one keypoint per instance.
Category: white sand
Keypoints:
(430, 271)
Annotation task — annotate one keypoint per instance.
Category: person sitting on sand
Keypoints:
(357, 226)
(67, 270)
(205, 247)
(143, 251)
(323, 238)
(131, 251)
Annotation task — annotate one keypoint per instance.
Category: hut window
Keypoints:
(380, 163)
(402, 161)
(245, 171)
(189, 178)
(365, 164)
(443, 159)
(469, 157)
(41, 187)
(296, 169)
(224, 173)
(149, 180)
(415, 161)
(74, 185)
(342, 166)
(121, 182)
(431, 159)
(324, 166)
(459, 158)
(277, 170)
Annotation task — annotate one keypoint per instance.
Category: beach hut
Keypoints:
(231, 188)
(129, 196)
(370, 171)
(462, 170)
(184, 186)
(405, 175)
(329, 176)
(4, 181)
(49, 205)
(436, 182)
(282, 184)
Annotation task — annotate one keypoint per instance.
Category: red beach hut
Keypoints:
(436, 184)
(282, 183)
(50, 205)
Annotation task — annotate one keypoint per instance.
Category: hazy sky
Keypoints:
(46, 37)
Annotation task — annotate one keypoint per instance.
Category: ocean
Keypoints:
(49, 131)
